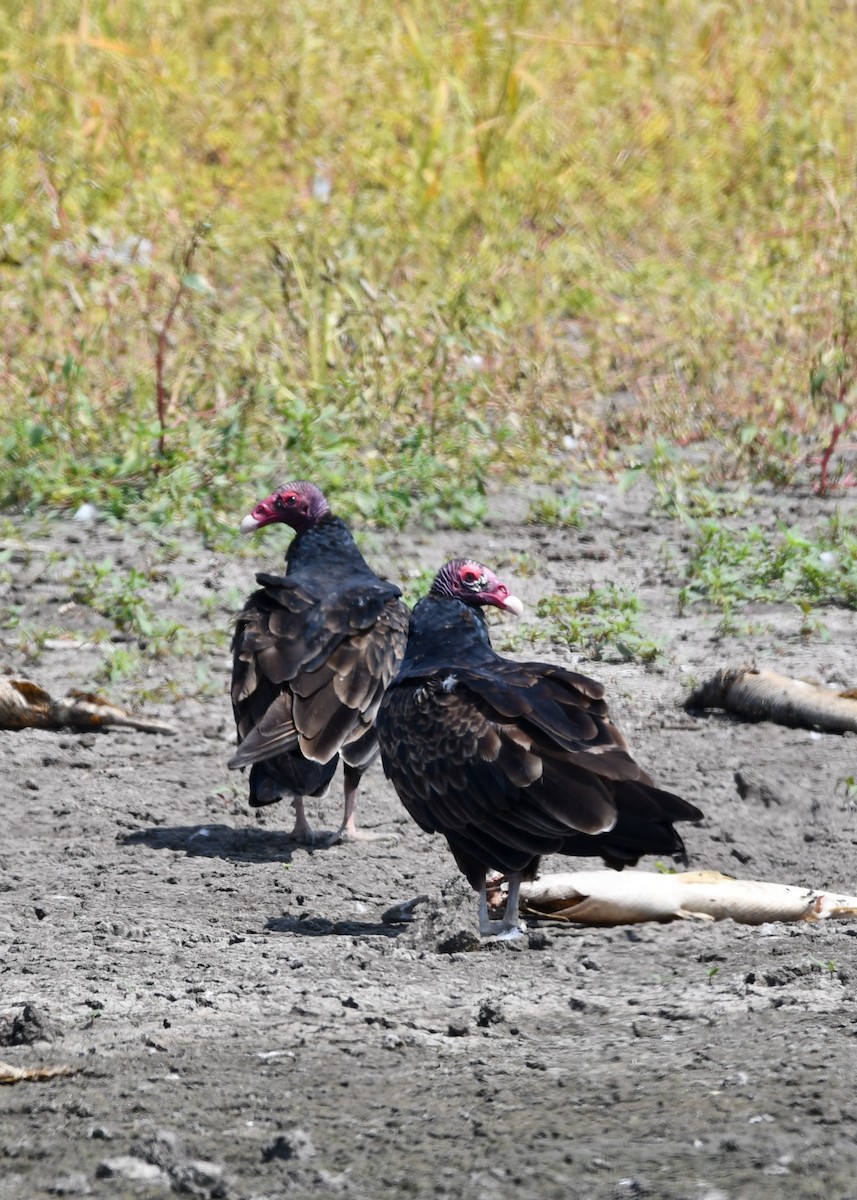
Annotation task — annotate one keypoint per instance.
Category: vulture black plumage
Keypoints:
(313, 651)
(510, 761)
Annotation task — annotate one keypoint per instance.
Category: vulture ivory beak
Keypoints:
(513, 605)
(248, 524)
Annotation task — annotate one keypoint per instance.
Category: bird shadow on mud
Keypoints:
(218, 841)
(314, 926)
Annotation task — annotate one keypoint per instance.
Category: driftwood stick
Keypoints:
(766, 696)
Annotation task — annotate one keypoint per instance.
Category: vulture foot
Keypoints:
(350, 833)
(500, 930)
(509, 927)
(304, 834)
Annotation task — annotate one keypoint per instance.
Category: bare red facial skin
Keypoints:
(299, 505)
(475, 584)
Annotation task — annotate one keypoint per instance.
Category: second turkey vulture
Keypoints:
(313, 651)
(510, 761)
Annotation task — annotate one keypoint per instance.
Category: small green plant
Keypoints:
(229, 600)
(679, 486)
(91, 1017)
(119, 596)
(604, 622)
(730, 569)
(846, 786)
(556, 513)
(30, 638)
(519, 564)
(112, 592)
(417, 584)
(731, 625)
(811, 625)
(120, 665)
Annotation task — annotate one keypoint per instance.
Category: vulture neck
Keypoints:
(443, 633)
(329, 539)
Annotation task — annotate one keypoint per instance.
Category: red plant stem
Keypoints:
(823, 484)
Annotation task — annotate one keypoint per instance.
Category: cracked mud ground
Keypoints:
(242, 1023)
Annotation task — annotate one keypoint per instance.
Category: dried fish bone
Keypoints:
(25, 705)
(766, 696)
(629, 897)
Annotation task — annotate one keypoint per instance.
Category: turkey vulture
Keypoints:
(508, 760)
(313, 651)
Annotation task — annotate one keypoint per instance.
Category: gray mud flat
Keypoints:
(244, 1025)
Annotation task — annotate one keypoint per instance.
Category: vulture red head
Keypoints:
(299, 504)
(474, 584)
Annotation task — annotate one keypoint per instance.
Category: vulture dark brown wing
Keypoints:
(563, 713)
(336, 704)
(309, 674)
(468, 768)
(644, 825)
(262, 705)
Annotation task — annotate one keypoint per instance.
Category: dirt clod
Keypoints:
(294, 1146)
(30, 1025)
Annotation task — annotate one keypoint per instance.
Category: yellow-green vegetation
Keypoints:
(404, 248)
(605, 622)
(556, 512)
(730, 569)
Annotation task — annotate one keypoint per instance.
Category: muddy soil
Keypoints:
(243, 1024)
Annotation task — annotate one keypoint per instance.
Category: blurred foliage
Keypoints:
(554, 512)
(409, 248)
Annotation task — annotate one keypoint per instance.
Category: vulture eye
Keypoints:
(287, 501)
(469, 576)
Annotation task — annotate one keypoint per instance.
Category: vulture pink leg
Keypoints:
(349, 831)
(303, 833)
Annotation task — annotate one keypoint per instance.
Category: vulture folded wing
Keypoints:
(267, 649)
(309, 673)
(337, 701)
(466, 768)
(268, 735)
(644, 826)
(273, 629)
(563, 713)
